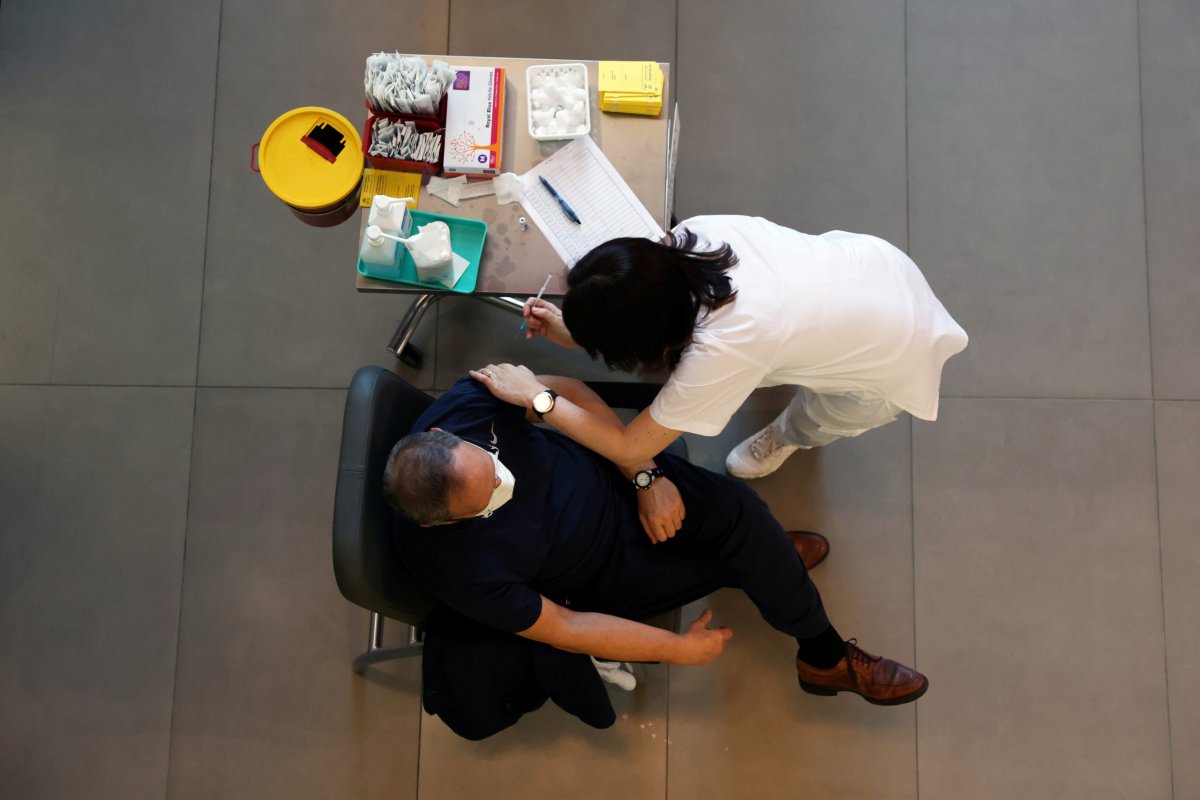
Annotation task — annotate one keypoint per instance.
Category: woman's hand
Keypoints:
(510, 383)
(543, 318)
(660, 508)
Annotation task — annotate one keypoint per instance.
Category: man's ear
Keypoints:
(437, 429)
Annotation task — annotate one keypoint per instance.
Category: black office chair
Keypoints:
(380, 409)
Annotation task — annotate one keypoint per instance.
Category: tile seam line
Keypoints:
(912, 455)
(1050, 398)
(1162, 588)
(671, 211)
(1063, 399)
(1162, 584)
(436, 318)
(420, 734)
(54, 330)
(667, 741)
(187, 511)
(185, 386)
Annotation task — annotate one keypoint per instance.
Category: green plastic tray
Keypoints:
(466, 239)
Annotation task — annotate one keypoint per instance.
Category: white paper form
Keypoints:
(605, 204)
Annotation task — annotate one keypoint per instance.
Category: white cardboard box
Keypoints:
(474, 122)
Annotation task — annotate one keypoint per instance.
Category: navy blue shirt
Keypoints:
(540, 541)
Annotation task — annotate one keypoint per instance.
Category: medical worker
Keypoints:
(730, 303)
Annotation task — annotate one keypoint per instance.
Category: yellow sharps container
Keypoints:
(311, 158)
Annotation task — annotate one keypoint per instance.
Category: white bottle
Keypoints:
(430, 250)
(390, 214)
(377, 249)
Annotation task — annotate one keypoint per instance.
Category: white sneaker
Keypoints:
(758, 456)
(618, 673)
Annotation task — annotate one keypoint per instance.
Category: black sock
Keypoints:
(822, 651)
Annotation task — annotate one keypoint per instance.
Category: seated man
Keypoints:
(520, 528)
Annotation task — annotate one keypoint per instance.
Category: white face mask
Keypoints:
(502, 493)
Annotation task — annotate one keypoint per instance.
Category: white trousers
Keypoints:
(813, 420)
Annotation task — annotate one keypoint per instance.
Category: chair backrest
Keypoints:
(380, 409)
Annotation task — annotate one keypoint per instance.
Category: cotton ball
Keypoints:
(558, 102)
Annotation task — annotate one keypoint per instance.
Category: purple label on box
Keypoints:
(462, 80)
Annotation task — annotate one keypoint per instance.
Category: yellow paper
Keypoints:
(631, 87)
(631, 76)
(389, 184)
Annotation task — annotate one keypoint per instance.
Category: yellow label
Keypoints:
(389, 184)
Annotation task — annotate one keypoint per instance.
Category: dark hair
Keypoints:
(635, 302)
(417, 480)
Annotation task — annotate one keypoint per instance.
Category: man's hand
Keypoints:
(512, 384)
(543, 318)
(660, 508)
(701, 645)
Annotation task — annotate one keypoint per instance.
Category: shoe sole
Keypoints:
(830, 691)
(743, 476)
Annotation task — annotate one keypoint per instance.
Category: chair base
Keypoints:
(377, 653)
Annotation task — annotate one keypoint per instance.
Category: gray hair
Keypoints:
(417, 480)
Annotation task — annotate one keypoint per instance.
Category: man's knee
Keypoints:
(745, 507)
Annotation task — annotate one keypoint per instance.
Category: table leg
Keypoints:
(513, 304)
(408, 353)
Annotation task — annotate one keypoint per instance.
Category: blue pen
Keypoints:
(570, 212)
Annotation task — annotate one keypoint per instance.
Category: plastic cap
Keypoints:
(375, 235)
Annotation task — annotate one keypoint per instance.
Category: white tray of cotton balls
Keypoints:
(559, 106)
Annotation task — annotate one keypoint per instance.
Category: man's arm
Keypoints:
(578, 393)
(581, 395)
(660, 508)
(627, 446)
(616, 639)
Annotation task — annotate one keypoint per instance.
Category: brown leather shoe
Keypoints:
(812, 547)
(879, 680)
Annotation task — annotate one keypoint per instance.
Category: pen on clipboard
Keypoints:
(570, 212)
(541, 292)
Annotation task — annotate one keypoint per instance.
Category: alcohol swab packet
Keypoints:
(508, 188)
(446, 188)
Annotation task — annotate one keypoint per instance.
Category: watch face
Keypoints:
(642, 479)
(543, 402)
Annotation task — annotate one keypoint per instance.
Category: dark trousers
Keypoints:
(729, 538)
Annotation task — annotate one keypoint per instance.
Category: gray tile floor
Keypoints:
(174, 349)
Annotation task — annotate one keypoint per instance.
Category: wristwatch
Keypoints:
(645, 478)
(543, 402)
